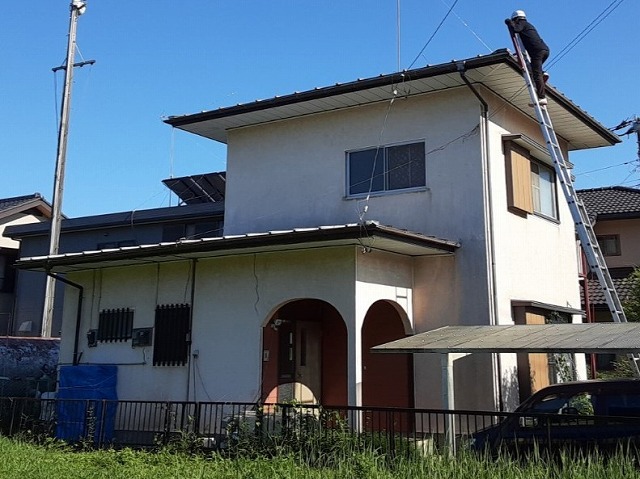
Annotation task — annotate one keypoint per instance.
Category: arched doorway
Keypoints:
(304, 354)
(387, 379)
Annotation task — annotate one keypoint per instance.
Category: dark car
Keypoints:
(585, 415)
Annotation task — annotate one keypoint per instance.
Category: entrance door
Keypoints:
(308, 368)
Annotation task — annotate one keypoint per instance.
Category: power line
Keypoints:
(433, 35)
(585, 31)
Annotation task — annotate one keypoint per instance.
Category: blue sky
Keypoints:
(157, 58)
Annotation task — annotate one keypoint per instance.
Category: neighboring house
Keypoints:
(201, 215)
(308, 277)
(19, 210)
(615, 214)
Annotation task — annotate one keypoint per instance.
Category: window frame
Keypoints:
(382, 153)
(616, 243)
(525, 192)
(553, 190)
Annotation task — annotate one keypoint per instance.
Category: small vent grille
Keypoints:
(115, 324)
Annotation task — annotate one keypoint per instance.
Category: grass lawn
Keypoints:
(21, 460)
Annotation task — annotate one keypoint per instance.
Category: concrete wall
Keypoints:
(629, 231)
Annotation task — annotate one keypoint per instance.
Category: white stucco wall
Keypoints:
(234, 296)
(535, 257)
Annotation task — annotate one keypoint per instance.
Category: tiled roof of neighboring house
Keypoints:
(621, 281)
(15, 204)
(612, 202)
(9, 203)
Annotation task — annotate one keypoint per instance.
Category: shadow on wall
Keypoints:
(28, 366)
(510, 390)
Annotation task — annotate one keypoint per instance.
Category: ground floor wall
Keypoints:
(232, 301)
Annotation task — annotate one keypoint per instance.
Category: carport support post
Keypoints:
(448, 400)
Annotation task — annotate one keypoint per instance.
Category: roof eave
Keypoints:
(358, 234)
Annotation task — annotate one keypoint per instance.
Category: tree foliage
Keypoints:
(632, 302)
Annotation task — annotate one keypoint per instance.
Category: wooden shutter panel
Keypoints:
(518, 168)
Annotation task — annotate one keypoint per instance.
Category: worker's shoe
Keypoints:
(541, 102)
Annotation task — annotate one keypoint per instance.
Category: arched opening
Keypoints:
(387, 379)
(304, 354)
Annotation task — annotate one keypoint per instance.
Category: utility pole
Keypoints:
(77, 8)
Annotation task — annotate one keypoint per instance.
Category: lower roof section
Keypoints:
(618, 338)
(368, 235)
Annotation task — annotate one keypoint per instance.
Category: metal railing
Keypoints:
(251, 427)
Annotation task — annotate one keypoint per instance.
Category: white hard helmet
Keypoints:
(518, 14)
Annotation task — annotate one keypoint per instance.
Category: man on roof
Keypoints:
(536, 48)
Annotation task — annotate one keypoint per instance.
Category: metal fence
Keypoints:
(218, 425)
(249, 427)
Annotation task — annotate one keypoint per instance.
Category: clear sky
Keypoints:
(158, 58)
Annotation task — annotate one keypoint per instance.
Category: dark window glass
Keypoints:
(366, 171)
(387, 168)
(7, 273)
(406, 166)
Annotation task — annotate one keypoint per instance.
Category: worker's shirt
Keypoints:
(529, 36)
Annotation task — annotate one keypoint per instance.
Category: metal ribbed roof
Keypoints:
(544, 338)
(498, 72)
(369, 235)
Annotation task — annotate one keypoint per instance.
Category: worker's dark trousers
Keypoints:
(537, 59)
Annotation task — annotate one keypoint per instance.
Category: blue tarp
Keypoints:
(86, 404)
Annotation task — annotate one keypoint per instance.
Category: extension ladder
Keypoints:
(587, 236)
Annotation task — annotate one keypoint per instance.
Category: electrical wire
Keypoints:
(470, 29)
(609, 9)
(606, 168)
(432, 36)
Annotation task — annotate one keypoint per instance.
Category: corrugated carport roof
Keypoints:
(618, 338)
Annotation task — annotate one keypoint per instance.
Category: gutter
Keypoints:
(76, 356)
(491, 249)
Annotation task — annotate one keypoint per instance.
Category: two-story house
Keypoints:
(19, 210)
(615, 214)
(355, 214)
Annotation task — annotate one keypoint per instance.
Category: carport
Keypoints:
(453, 342)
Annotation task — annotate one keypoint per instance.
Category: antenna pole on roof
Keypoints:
(77, 7)
(398, 30)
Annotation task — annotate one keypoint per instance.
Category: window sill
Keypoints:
(361, 196)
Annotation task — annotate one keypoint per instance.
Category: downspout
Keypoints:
(191, 359)
(76, 340)
(488, 209)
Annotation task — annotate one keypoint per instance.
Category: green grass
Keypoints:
(22, 460)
